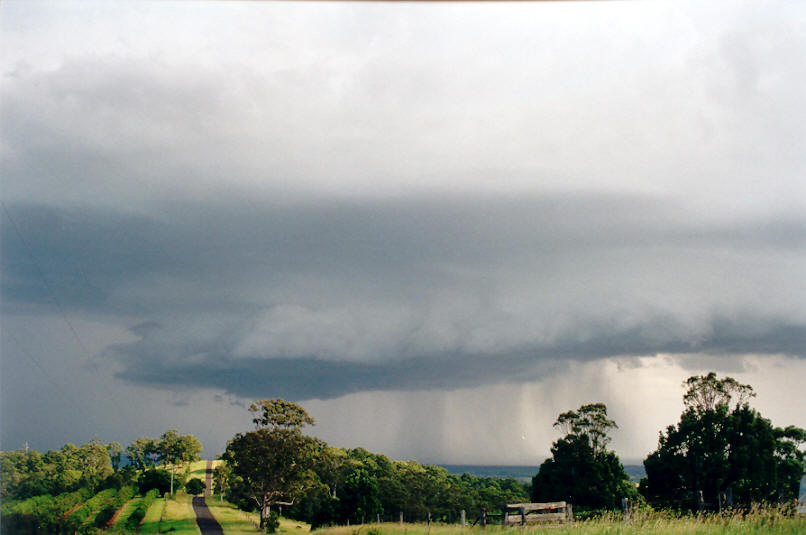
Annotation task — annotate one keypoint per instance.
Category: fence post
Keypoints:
(569, 513)
(626, 509)
(729, 496)
(700, 501)
(483, 517)
(463, 518)
(401, 518)
(377, 518)
(504, 515)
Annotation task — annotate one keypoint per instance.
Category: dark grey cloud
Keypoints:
(318, 300)
(304, 378)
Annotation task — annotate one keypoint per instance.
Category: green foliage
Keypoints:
(26, 474)
(143, 452)
(222, 475)
(591, 422)
(361, 496)
(139, 512)
(279, 413)
(154, 479)
(345, 488)
(581, 471)
(104, 516)
(272, 522)
(41, 513)
(273, 464)
(78, 517)
(195, 486)
(715, 447)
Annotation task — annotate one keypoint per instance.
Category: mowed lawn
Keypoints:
(126, 511)
(199, 469)
(151, 522)
(237, 522)
(179, 517)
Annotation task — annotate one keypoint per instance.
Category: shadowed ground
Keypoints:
(208, 525)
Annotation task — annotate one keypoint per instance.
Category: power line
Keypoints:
(48, 376)
(61, 310)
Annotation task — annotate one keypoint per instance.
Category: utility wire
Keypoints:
(58, 386)
(60, 308)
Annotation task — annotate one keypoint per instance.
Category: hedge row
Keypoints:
(80, 515)
(41, 514)
(108, 511)
(133, 522)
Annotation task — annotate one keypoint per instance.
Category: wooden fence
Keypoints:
(536, 513)
(514, 514)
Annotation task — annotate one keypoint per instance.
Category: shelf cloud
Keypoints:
(359, 201)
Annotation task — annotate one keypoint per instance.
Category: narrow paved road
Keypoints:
(208, 525)
(208, 479)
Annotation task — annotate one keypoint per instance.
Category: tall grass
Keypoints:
(756, 522)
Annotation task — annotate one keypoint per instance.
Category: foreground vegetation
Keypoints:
(758, 522)
(721, 455)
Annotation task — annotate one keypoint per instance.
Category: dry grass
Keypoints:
(758, 522)
(237, 522)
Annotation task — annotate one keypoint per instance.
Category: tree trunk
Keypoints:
(264, 514)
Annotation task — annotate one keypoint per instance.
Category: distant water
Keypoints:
(523, 474)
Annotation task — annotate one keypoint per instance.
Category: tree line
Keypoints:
(720, 447)
(95, 466)
(279, 466)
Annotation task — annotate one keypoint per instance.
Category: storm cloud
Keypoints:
(355, 201)
(321, 300)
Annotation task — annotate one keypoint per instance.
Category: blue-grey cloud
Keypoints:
(303, 378)
(321, 300)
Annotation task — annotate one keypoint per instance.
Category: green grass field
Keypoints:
(151, 522)
(651, 524)
(198, 468)
(179, 518)
(237, 522)
(125, 511)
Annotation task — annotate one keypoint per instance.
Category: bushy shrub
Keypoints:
(105, 515)
(273, 522)
(154, 479)
(195, 486)
(74, 521)
(140, 510)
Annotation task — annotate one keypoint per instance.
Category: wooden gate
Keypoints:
(536, 513)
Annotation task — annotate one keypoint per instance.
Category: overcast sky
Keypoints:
(436, 226)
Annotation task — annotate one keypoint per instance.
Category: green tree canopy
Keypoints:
(175, 448)
(581, 470)
(279, 414)
(275, 461)
(720, 443)
(195, 486)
